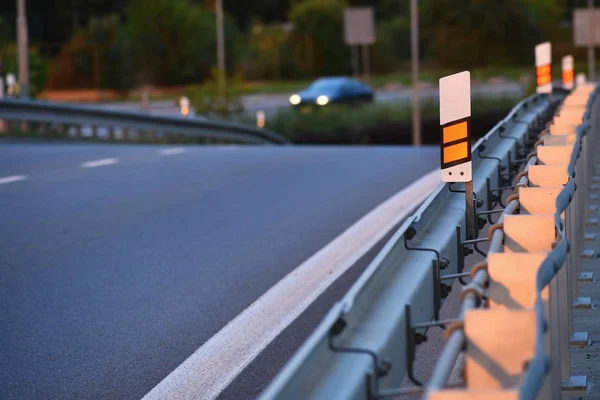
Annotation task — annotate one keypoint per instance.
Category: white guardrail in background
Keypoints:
(124, 125)
(365, 346)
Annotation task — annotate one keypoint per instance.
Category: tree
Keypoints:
(175, 40)
(466, 33)
(318, 37)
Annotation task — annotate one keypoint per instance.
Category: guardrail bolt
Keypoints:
(479, 203)
(445, 290)
(338, 326)
(444, 263)
(481, 222)
(383, 368)
(420, 338)
(467, 250)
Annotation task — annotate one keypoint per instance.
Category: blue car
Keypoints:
(326, 91)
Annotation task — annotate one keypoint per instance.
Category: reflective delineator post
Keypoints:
(567, 72)
(455, 153)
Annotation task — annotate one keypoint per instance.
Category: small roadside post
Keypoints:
(568, 76)
(543, 68)
(184, 106)
(580, 79)
(11, 82)
(260, 118)
(455, 152)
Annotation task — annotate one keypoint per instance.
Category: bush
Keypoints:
(207, 99)
(339, 124)
(38, 67)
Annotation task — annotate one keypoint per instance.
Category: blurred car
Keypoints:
(326, 91)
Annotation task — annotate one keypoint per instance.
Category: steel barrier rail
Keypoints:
(364, 346)
(160, 125)
(551, 353)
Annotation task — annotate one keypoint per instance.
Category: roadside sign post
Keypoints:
(568, 76)
(585, 34)
(455, 124)
(359, 30)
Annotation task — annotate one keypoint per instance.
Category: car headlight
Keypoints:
(295, 99)
(322, 100)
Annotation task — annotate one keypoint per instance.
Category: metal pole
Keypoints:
(365, 54)
(470, 209)
(414, 54)
(23, 55)
(220, 47)
(591, 43)
(355, 69)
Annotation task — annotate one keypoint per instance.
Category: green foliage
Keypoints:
(466, 33)
(175, 40)
(350, 124)
(38, 67)
(267, 54)
(96, 56)
(212, 101)
(393, 44)
(318, 37)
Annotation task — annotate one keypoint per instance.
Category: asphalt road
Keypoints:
(113, 275)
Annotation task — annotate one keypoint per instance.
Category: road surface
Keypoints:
(119, 261)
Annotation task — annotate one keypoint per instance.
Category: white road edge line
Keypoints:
(172, 151)
(211, 368)
(13, 178)
(99, 163)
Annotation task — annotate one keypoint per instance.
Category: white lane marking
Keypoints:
(13, 178)
(100, 163)
(218, 361)
(173, 151)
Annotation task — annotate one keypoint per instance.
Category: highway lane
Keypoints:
(112, 276)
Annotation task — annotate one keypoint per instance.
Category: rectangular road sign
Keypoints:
(543, 67)
(581, 27)
(568, 76)
(455, 123)
(359, 26)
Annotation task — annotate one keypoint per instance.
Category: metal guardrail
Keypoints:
(365, 345)
(77, 116)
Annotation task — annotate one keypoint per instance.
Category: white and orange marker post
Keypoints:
(568, 75)
(543, 67)
(455, 124)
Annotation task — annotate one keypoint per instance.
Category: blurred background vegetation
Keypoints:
(125, 44)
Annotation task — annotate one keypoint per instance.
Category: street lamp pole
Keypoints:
(23, 54)
(414, 54)
(220, 47)
(591, 42)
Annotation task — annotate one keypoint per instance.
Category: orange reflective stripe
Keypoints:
(456, 152)
(543, 74)
(455, 132)
(567, 76)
